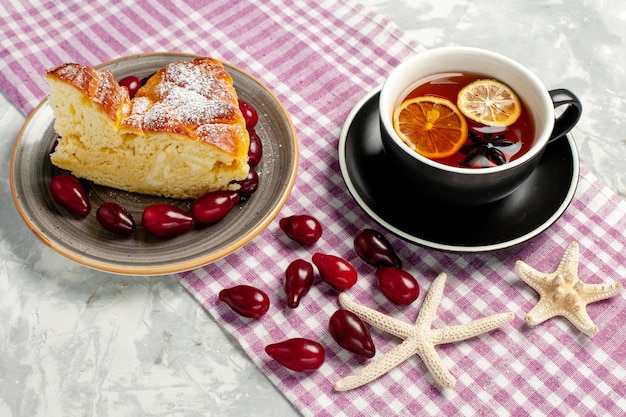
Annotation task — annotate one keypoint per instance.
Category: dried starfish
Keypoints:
(561, 293)
(419, 339)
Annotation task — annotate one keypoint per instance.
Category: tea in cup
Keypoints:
(468, 124)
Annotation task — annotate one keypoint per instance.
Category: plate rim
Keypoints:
(441, 246)
(172, 267)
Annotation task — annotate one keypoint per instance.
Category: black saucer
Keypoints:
(399, 206)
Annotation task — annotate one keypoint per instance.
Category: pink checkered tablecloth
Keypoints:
(320, 58)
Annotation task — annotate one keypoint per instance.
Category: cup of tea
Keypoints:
(468, 124)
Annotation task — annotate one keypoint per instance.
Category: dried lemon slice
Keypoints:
(489, 102)
(431, 126)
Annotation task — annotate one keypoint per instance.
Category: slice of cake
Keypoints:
(181, 136)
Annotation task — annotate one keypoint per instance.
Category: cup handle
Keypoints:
(569, 117)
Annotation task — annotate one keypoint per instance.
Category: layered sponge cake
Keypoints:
(182, 134)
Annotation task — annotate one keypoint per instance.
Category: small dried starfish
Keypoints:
(419, 338)
(561, 293)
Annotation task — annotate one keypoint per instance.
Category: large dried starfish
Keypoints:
(561, 293)
(419, 338)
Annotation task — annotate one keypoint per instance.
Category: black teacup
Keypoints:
(473, 186)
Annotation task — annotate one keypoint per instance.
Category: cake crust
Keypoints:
(101, 87)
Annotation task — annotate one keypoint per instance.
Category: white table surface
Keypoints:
(74, 341)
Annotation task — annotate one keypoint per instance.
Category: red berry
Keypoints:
(69, 193)
(255, 151)
(298, 354)
(398, 285)
(115, 219)
(249, 113)
(298, 281)
(375, 249)
(214, 206)
(248, 185)
(131, 83)
(335, 271)
(165, 220)
(246, 300)
(302, 228)
(351, 333)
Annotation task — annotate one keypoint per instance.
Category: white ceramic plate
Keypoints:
(86, 242)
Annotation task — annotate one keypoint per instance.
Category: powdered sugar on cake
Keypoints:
(194, 79)
(185, 106)
(187, 96)
(223, 136)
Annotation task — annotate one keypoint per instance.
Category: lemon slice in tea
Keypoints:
(432, 126)
(489, 102)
